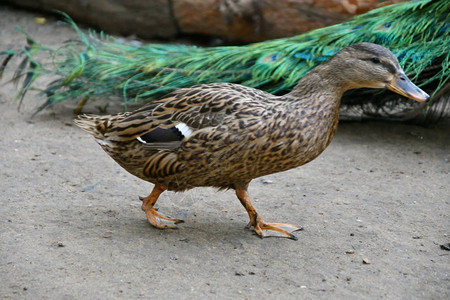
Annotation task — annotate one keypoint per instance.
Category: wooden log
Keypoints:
(243, 20)
(257, 20)
(144, 18)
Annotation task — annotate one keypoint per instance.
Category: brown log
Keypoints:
(256, 20)
(244, 20)
(141, 17)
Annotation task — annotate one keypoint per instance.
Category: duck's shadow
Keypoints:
(193, 230)
(196, 230)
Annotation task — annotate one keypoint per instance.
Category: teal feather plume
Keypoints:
(97, 65)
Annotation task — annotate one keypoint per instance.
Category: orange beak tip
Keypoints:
(419, 97)
(403, 86)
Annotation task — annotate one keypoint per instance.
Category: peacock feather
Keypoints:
(97, 65)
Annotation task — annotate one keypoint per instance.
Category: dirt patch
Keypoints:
(374, 207)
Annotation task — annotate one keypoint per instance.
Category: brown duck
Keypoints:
(224, 135)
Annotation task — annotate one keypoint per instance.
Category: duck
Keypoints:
(224, 135)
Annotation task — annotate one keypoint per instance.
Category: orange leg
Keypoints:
(152, 213)
(262, 228)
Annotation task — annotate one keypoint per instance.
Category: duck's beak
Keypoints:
(403, 86)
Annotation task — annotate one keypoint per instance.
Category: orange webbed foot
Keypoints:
(154, 218)
(261, 228)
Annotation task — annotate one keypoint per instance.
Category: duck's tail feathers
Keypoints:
(90, 124)
(96, 125)
(110, 127)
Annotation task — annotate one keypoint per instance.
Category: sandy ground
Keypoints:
(71, 225)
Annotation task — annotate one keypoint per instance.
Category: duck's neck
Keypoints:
(322, 80)
(316, 100)
(318, 96)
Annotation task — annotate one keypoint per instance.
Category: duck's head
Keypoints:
(367, 65)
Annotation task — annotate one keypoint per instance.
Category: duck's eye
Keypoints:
(375, 60)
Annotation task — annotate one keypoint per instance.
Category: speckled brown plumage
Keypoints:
(238, 133)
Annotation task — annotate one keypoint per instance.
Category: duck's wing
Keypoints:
(164, 124)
